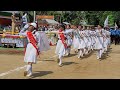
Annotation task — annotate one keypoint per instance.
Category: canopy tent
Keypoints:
(47, 22)
(66, 23)
(11, 11)
(51, 21)
(5, 17)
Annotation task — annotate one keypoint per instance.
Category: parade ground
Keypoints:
(12, 66)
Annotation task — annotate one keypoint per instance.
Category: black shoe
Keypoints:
(25, 73)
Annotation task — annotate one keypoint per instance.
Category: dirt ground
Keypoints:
(12, 66)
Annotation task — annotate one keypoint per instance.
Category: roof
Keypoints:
(11, 11)
(5, 17)
(66, 23)
(51, 21)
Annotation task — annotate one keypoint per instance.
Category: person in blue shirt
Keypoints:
(117, 36)
(112, 35)
(118, 32)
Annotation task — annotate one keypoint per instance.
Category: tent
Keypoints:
(50, 21)
(5, 17)
(66, 23)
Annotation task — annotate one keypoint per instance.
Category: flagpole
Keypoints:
(116, 26)
(34, 16)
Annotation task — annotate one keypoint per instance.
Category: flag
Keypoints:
(43, 43)
(106, 22)
(115, 26)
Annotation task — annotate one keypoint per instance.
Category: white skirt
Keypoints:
(89, 42)
(86, 42)
(99, 43)
(108, 41)
(93, 40)
(60, 49)
(30, 54)
(105, 42)
(81, 44)
(75, 43)
(69, 42)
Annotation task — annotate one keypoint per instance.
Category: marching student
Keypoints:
(85, 40)
(88, 36)
(81, 42)
(76, 39)
(69, 36)
(99, 42)
(61, 44)
(31, 51)
(107, 38)
(93, 36)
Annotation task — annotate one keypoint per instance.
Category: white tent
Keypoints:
(66, 23)
(11, 11)
(51, 21)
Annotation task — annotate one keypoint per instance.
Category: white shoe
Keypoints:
(60, 65)
(78, 57)
(29, 75)
(98, 58)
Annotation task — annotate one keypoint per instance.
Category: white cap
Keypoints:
(34, 25)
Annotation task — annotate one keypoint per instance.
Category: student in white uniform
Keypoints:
(85, 40)
(81, 42)
(31, 52)
(69, 35)
(76, 39)
(93, 36)
(99, 42)
(88, 36)
(107, 39)
(104, 41)
(108, 36)
(61, 44)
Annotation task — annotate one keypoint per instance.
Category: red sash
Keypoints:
(63, 38)
(32, 40)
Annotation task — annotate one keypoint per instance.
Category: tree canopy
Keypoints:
(75, 17)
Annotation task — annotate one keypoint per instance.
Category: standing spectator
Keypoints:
(24, 19)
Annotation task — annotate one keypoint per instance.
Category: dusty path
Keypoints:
(12, 66)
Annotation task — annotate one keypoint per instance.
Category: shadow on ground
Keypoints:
(40, 73)
(68, 63)
(71, 55)
(106, 55)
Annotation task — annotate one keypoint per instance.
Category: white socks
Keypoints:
(84, 51)
(29, 69)
(80, 54)
(99, 54)
(60, 58)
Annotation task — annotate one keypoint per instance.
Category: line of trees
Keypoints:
(75, 17)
